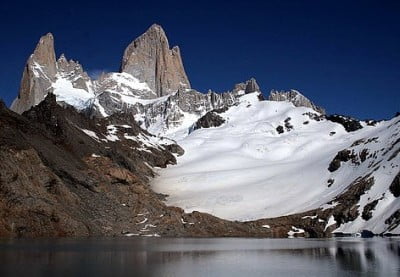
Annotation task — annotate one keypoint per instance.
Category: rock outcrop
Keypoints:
(251, 86)
(296, 98)
(246, 87)
(210, 119)
(73, 72)
(39, 73)
(350, 124)
(150, 59)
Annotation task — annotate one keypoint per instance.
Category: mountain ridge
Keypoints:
(279, 162)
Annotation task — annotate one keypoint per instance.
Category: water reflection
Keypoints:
(200, 257)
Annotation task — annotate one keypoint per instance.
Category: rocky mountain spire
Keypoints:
(43, 74)
(252, 86)
(73, 71)
(39, 73)
(150, 59)
(248, 87)
(44, 54)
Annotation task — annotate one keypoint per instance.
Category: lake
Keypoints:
(200, 257)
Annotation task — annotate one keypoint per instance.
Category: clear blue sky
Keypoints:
(343, 55)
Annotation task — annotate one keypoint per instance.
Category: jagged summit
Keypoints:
(150, 59)
(152, 85)
(248, 86)
(44, 53)
(39, 73)
(252, 86)
(43, 73)
(295, 97)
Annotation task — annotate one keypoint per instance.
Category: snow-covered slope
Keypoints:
(66, 93)
(251, 168)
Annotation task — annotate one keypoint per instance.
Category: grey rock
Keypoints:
(251, 86)
(210, 119)
(73, 71)
(39, 73)
(150, 59)
(121, 83)
(42, 70)
(171, 111)
(296, 98)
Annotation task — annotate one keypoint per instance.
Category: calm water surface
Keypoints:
(200, 257)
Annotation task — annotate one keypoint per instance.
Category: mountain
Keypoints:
(43, 74)
(267, 159)
(150, 60)
(277, 167)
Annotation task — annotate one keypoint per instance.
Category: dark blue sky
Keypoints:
(343, 55)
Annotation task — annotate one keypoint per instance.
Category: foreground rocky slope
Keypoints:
(63, 174)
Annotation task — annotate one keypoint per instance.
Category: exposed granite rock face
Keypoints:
(42, 71)
(39, 73)
(171, 111)
(174, 108)
(150, 59)
(295, 97)
(73, 71)
(246, 87)
(251, 86)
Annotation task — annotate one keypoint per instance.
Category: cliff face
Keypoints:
(150, 59)
(38, 75)
(43, 74)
